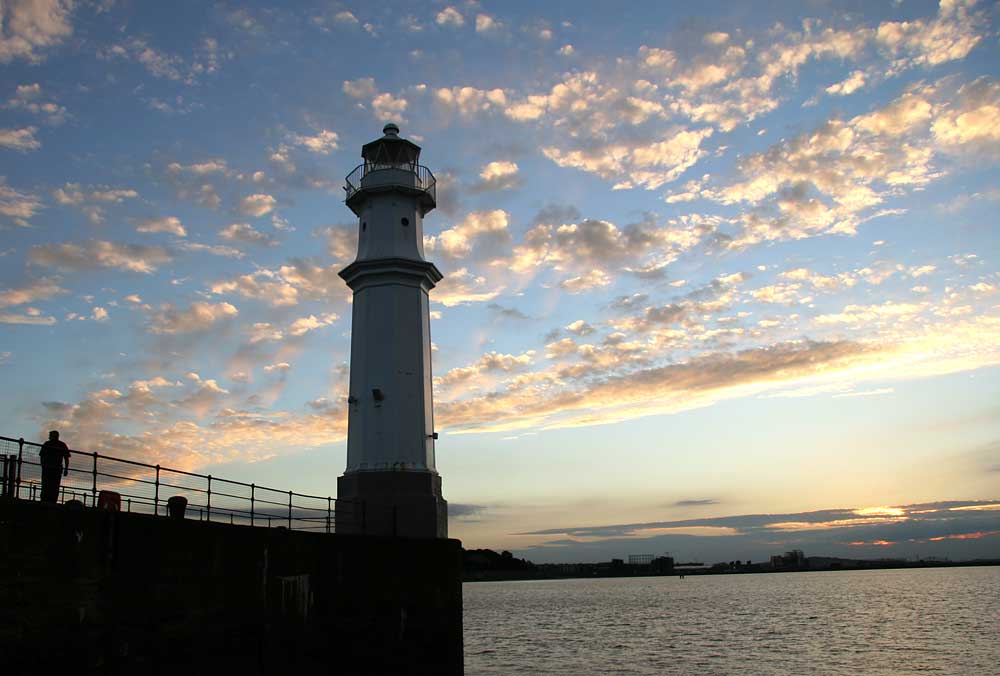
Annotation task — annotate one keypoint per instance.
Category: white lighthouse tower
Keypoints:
(390, 486)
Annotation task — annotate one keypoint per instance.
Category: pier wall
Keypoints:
(89, 591)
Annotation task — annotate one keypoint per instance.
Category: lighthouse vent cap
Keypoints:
(390, 130)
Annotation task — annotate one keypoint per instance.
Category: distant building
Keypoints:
(640, 559)
(662, 565)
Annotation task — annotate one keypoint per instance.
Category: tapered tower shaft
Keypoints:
(391, 486)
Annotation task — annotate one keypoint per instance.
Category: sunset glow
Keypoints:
(714, 275)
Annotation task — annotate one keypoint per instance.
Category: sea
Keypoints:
(850, 623)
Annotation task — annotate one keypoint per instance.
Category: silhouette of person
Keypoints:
(55, 457)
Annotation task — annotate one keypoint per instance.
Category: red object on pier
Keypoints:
(110, 501)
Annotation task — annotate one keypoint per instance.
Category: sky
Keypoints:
(720, 281)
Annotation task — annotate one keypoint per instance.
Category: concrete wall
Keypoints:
(83, 591)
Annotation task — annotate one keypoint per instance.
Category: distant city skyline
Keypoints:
(700, 261)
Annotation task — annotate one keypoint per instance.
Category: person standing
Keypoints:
(55, 458)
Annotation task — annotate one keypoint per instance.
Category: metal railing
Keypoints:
(423, 179)
(146, 488)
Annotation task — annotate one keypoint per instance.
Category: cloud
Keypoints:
(590, 280)
(908, 531)
(645, 165)
(949, 36)
(212, 249)
(479, 373)
(257, 205)
(341, 241)
(695, 503)
(389, 108)
(486, 24)
(265, 285)
(244, 232)
(16, 205)
(323, 143)
(593, 248)
(304, 325)
(198, 317)
(468, 101)
(870, 314)
(95, 254)
(461, 286)
(206, 59)
(449, 16)
(27, 318)
(29, 98)
(855, 81)
(27, 27)
(208, 167)
(580, 328)
(507, 312)
(821, 182)
(481, 234)
(652, 390)
(972, 124)
(21, 140)
(91, 201)
(501, 175)
(32, 292)
(362, 88)
(168, 224)
(301, 278)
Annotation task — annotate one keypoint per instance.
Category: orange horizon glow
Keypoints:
(875, 543)
(966, 536)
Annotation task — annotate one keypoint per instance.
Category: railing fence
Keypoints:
(146, 488)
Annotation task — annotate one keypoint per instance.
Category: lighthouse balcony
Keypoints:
(411, 178)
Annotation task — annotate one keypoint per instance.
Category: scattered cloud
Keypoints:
(31, 27)
(95, 254)
(197, 317)
(257, 205)
(166, 224)
(16, 205)
(21, 140)
(244, 232)
(449, 16)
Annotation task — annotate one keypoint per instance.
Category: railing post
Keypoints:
(93, 487)
(20, 456)
(156, 496)
(208, 507)
(329, 503)
(253, 490)
(364, 516)
(128, 505)
(289, 510)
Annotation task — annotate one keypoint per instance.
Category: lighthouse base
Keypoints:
(394, 503)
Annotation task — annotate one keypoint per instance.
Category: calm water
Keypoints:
(936, 621)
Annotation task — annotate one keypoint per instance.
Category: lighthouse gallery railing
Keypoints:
(423, 179)
(145, 488)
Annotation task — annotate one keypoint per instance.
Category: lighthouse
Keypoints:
(390, 486)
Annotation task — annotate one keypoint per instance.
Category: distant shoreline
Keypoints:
(856, 565)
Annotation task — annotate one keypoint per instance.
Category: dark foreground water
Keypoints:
(884, 623)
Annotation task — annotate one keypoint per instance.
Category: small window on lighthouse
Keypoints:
(364, 226)
(405, 221)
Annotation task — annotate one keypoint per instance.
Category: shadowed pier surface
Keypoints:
(104, 592)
